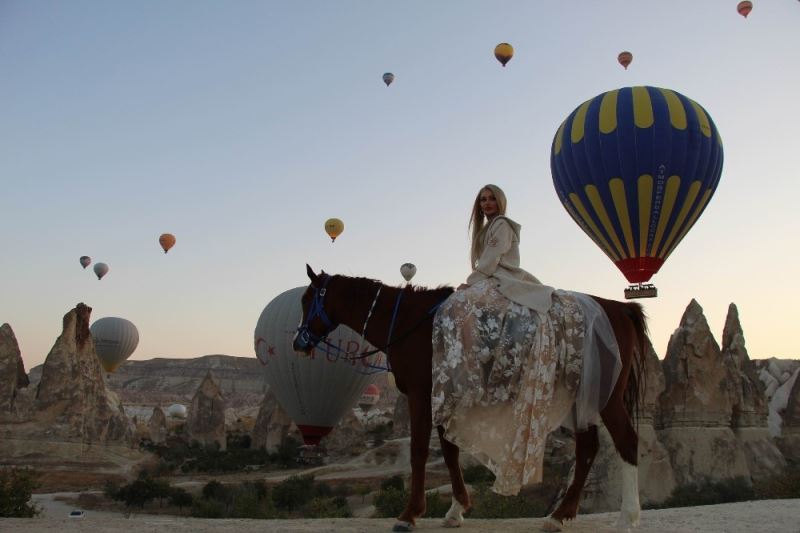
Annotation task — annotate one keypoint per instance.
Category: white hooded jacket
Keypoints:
(499, 260)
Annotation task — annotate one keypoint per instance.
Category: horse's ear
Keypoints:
(313, 277)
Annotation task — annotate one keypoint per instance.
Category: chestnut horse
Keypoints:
(400, 320)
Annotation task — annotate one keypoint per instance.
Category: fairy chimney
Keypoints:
(72, 399)
(12, 371)
(157, 424)
(272, 425)
(206, 420)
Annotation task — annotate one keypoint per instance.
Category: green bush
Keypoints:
(478, 474)
(394, 482)
(435, 505)
(390, 502)
(293, 492)
(16, 487)
(180, 498)
(327, 508)
(487, 504)
(203, 508)
(709, 492)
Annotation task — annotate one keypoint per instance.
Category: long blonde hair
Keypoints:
(477, 220)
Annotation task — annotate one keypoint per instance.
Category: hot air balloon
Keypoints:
(334, 227)
(407, 270)
(388, 78)
(167, 241)
(101, 269)
(369, 397)
(625, 59)
(635, 167)
(316, 389)
(115, 339)
(85, 261)
(504, 52)
(744, 8)
(176, 410)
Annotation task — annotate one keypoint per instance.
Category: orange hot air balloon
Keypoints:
(625, 59)
(744, 8)
(334, 227)
(167, 241)
(504, 52)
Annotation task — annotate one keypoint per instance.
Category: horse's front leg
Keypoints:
(419, 411)
(461, 501)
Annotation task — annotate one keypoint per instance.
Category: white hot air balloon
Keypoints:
(407, 270)
(176, 410)
(100, 270)
(115, 339)
(316, 390)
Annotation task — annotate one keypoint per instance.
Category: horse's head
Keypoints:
(317, 323)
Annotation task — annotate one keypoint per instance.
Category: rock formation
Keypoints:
(12, 372)
(272, 425)
(789, 441)
(72, 400)
(157, 424)
(205, 422)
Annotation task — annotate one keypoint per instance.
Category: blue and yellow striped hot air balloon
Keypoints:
(635, 168)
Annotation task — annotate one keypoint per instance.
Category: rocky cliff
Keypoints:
(205, 422)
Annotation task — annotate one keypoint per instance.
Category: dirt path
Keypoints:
(767, 515)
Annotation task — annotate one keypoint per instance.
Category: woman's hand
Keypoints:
(462, 287)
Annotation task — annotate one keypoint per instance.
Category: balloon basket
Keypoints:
(313, 455)
(641, 290)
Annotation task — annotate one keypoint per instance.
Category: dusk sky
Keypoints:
(240, 127)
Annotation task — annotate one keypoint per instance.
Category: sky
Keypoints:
(240, 127)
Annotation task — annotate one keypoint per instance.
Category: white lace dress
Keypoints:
(504, 377)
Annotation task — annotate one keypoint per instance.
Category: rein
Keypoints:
(317, 309)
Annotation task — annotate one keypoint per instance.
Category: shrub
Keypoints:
(16, 487)
(390, 502)
(204, 508)
(293, 492)
(287, 454)
(478, 473)
(180, 498)
(214, 490)
(487, 504)
(327, 508)
(435, 505)
(785, 485)
(709, 492)
(394, 482)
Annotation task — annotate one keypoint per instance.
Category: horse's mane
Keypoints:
(369, 283)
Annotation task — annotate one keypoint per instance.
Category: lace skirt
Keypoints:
(504, 377)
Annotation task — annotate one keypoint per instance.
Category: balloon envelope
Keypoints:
(100, 269)
(315, 389)
(167, 241)
(177, 410)
(334, 227)
(504, 52)
(115, 339)
(407, 270)
(625, 59)
(85, 261)
(635, 167)
(744, 8)
(388, 78)
(370, 396)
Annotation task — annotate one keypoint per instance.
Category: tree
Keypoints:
(16, 487)
(180, 498)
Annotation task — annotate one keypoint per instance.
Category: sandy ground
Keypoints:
(747, 517)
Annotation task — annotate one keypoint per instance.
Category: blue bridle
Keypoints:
(317, 309)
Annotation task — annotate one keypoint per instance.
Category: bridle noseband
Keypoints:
(317, 309)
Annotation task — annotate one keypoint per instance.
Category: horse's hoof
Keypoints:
(551, 524)
(452, 522)
(400, 525)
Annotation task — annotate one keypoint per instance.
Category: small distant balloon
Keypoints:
(504, 52)
(744, 8)
(334, 227)
(101, 269)
(625, 59)
(388, 78)
(407, 270)
(167, 241)
(85, 261)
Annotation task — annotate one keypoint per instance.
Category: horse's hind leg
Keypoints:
(618, 423)
(586, 445)
(461, 501)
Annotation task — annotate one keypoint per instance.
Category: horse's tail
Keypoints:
(637, 380)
